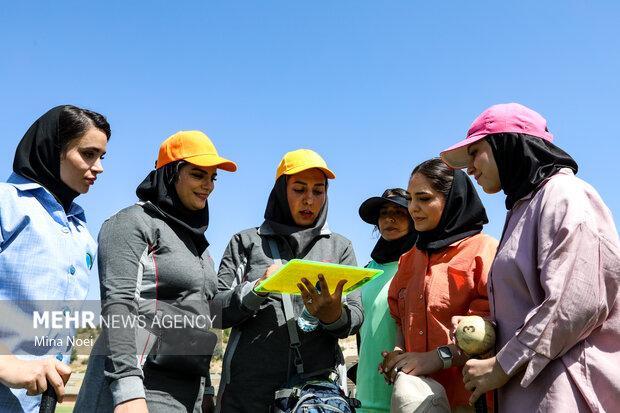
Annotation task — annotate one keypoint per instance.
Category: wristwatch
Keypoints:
(445, 355)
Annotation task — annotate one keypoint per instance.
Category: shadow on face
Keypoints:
(394, 221)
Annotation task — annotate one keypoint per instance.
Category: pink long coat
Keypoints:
(553, 291)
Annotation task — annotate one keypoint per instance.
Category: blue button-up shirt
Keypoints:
(46, 257)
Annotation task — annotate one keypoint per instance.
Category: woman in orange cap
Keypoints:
(153, 251)
(295, 227)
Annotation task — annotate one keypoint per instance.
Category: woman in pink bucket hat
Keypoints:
(553, 287)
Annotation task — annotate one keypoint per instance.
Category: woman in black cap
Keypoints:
(46, 252)
(388, 213)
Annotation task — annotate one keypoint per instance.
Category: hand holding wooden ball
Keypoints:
(475, 335)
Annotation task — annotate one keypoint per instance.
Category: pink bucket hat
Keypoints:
(506, 117)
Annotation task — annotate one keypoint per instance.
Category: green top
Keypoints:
(378, 333)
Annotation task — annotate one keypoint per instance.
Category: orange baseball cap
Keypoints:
(194, 147)
(301, 160)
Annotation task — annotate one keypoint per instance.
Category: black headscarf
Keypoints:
(390, 251)
(37, 157)
(524, 161)
(278, 216)
(463, 216)
(158, 188)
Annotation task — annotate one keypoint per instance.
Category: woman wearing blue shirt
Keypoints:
(46, 252)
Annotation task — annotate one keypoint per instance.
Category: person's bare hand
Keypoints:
(386, 367)
(412, 363)
(268, 273)
(33, 375)
(454, 323)
(481, 376)
(325, 306)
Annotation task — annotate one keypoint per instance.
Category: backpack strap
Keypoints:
(284, 393)
(289, 314)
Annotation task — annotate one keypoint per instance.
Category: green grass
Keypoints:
(64, 409)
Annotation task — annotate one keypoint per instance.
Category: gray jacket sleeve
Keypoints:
(236, 295)
(352, 315)
(121, 244)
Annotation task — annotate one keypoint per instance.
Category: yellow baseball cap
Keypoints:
(301, 160)
(194, 147)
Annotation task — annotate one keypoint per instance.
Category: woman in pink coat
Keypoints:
(553, 287)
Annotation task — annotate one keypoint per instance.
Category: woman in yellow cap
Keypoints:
(151, 254)
(294, 227)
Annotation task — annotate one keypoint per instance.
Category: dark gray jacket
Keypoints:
(257, 360)
(141, 258)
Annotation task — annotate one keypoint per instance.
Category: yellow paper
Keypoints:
(285, 280)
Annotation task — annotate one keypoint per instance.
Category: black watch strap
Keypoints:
(445, 355)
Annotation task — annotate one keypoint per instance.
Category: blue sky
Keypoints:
(375, 87)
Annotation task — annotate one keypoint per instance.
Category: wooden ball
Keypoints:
(475, 335)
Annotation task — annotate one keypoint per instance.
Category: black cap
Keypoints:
(369, 210)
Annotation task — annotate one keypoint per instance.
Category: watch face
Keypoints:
(444, 352)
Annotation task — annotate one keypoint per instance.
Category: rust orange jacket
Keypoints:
(428, 290)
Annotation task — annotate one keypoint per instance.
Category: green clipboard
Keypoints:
(285, 280)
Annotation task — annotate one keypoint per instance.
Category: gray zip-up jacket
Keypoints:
(143, 258)
(257, 360)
